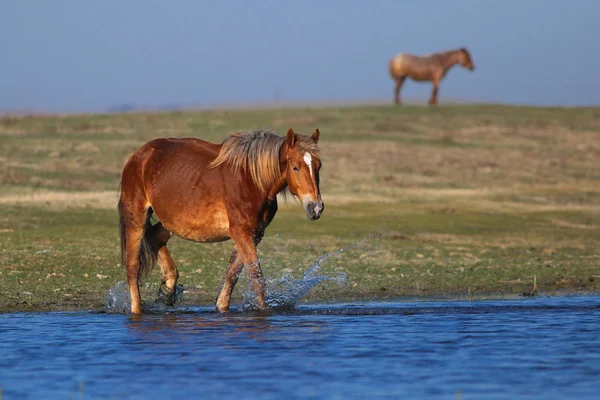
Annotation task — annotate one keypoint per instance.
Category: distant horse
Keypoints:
(208, 192)
(430, 68)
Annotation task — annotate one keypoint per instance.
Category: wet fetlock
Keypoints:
(166, 295)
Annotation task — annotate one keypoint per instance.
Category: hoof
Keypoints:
(221, 309)
(221, 306)
(166, 295)
(136, 310)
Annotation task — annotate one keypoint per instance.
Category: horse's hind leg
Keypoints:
(132, 224)
(399, 83)
(134, 237)
(169, 276)
(158, 236)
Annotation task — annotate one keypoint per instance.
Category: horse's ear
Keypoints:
(290, 138)
(315, 136)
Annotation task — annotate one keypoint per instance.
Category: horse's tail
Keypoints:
(148, 254)
(122, 236)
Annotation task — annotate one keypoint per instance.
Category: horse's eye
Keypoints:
(295, 169)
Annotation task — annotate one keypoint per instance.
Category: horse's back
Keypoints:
(185, 194)
(174, 162)
(198, 147)
(402, 64)
(162, 152)
(418, 68)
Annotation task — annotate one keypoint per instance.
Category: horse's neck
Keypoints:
(450, 58)
(277, 188)
(280, 184)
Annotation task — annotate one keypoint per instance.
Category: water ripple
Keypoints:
(530, 348)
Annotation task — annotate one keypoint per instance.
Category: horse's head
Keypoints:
(302, 171)
(465, 59)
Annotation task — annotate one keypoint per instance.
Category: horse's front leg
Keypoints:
(257, 281)
(434, 93)
(245, 243)
(231, 277)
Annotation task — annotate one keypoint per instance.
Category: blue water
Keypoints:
(540, 348)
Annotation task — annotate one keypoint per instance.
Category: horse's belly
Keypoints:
(206, 226)
(420, 77)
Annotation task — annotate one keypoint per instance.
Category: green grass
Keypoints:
(454, 201)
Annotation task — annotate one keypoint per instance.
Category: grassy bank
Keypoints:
(459, 200)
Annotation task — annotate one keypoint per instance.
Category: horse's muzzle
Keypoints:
(314, 209)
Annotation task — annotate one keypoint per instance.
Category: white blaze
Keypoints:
(308, 161)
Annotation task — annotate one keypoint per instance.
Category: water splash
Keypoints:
(117, 300)
(286, 292)
(283, 293)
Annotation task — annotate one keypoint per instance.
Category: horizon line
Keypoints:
(125, 108)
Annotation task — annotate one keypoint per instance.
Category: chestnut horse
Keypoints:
(208, 192)
(431, 68)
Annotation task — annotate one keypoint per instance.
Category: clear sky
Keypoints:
(75, 55)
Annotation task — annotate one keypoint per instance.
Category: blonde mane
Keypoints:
(258, 152)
